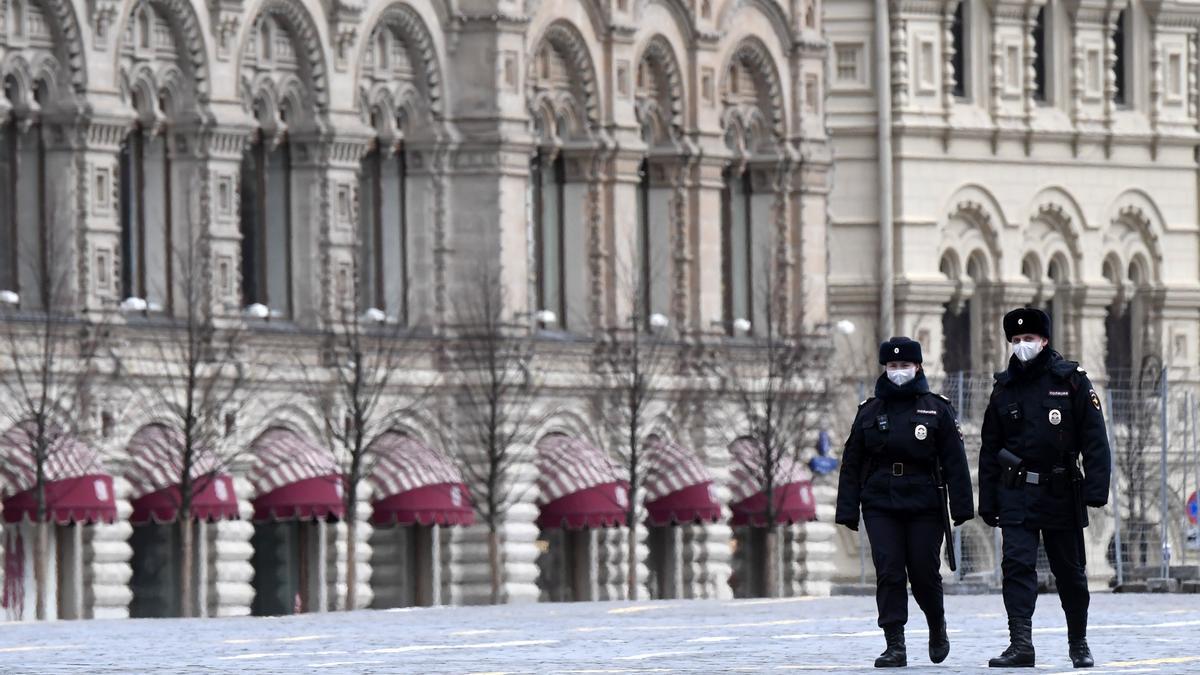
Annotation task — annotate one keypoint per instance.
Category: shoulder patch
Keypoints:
(1095, 399)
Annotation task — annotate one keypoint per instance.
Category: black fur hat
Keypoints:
(900, 349)
(1026, 320)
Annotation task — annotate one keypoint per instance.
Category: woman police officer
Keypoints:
(901, 438)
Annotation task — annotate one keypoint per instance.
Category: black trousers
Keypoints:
(906, 548)
(1067, 563)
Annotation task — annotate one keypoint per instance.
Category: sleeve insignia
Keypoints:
(960, 433)
(1095, 399)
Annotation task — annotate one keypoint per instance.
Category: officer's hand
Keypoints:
(1098, 505)
(992, 519)
(851, 524)
(958, 521)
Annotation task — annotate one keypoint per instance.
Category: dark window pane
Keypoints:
(1119, 63)
(957, 32)
(1039, 56)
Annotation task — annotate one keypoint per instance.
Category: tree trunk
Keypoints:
(771, 564)
(631, 560)
(351, 557)
(40, 573)
(493, 542)
(187, 544)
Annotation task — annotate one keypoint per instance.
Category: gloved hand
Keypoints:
(852, 525)
(1098, 505)
(992, 519)
(959, 520)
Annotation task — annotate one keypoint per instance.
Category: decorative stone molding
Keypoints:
(344, 17)
(102, 14)
(226, 17)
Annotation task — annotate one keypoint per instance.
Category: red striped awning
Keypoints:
(294, 479)
(77, 489)
(578, 486)
(414, 483)
(678, 487)
(155, 469)
(792, 488)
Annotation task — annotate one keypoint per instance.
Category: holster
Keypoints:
(1013, 476)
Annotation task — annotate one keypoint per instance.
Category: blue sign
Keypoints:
(1193, 509)
(823, 443)
(823, 465)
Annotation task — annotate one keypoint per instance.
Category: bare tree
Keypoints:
(777, 382)
(632, 358)
(49, 358)
(193, 382)
(364, 352)
(492, 360)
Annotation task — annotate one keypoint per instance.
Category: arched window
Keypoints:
(145, 201)
(736, 247)
(1121, 64)
(18, 18)
(548, 179)
(1040, 71)
(133, 219)
(645, 297)
(266, 220)
(145, 26)
(1118, 333)
(23, 211)
(384, 251)
(8, 194)
(956, 325)
(958, 33)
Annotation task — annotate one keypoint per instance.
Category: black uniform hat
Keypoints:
(1026, 320)
(900, 349)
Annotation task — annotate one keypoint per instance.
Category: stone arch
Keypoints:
(419, 425)
(659, 89)
(571, 95)
(973, 221)
(304, 41)
(293, 417)
(189, 36)
(63, 39)
(761, 108)
(680, 12)
(1134, 218)
(1061, 215)
(567, 421)
(423, 95)
(771, 10)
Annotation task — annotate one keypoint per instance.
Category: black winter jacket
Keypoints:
(1047, 413)
(917, 428)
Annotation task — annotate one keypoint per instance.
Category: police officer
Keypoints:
(901, 439)
(1042, 416)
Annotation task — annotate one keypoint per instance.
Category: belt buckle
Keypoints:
(1033, 477)
(898, 469)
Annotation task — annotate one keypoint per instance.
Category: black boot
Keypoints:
(939, 642)
(1020, 646)
(1081, 656)
(894, 656)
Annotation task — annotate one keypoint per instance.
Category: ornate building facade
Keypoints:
(1035, 152)
(313, 150)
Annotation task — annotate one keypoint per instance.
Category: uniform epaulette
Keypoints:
(942, 396)
(866, 401)
(1065, 368)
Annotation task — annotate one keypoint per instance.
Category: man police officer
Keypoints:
(1042, 417)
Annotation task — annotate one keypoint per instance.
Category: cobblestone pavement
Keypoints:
(1129, 634)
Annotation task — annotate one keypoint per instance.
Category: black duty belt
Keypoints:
(904, 468)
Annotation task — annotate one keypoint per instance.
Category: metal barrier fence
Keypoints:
(1147, 537)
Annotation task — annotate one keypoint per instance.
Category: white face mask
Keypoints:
(901, 376)
(1027, 351)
